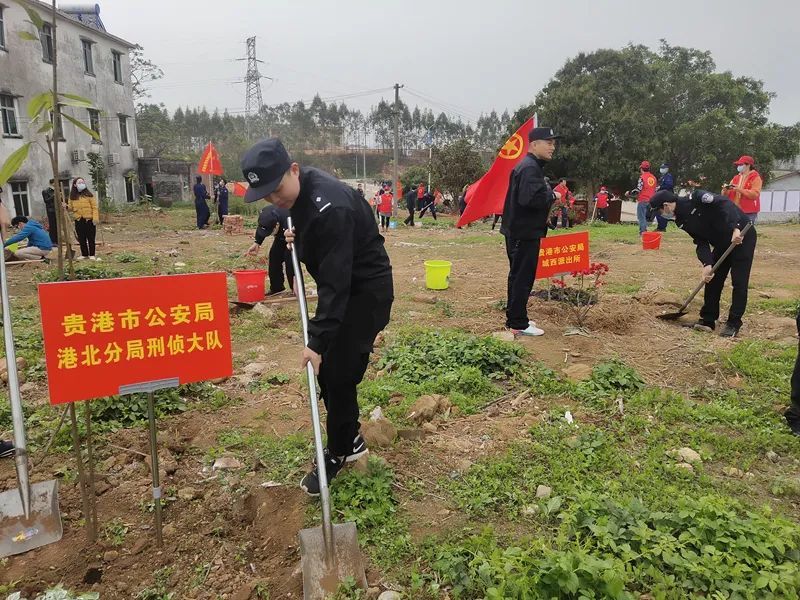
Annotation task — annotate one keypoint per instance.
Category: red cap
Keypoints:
(645, 164)
(745, 160)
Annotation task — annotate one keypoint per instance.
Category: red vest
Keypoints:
(385, 207)
(748, 205)
(649, 185)
(602, 200)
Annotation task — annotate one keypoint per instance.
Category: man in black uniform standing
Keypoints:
(338, 241)
(525, 213)
(411, 205)
(49, 197)
(280, 257)
(714, 222)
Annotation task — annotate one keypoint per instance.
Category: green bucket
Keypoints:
(437, 274)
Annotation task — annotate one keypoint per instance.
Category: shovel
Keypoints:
(682, 310)
(29, 515)
(328, 554)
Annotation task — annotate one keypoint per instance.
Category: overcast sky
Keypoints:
(464, 56)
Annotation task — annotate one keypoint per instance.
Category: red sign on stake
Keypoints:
(563, 254)
(103, 334)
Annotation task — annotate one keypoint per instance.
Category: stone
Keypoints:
(27, 388)
(245, 591)
(362, 464)
(504, 336)
(255, 369)
(139, 545)
(265, 311)
(379, 433)
(429, 427)
(110, 556)
(227, 463)
(413, 435)
(578, 372)
(219, 380)
(293, 336)
(101, 487)
(427, 407)
(688, 455)
(169, 530)
(166, 463)
(544, 492)
(390, 595)
(733, 472)
(685, 466)
(373, 593)
(188, 493)
(420, 298)
(773, 456)
(531, 510)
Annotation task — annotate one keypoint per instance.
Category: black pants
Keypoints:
(738, 264)
(793, 413)
(222, 210)
(85, 231)
(410, 218)
(430, 207)
(496, 219)
(280, 258)
(602, 214)
(385, 219)
(345, 362)
(523, 256)
(52, 226)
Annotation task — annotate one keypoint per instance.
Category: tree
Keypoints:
(456, 165)
(156, 131)
(616, 108)
(143, 72)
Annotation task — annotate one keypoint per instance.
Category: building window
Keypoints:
(123, 130)
(88, 63)
(2, 29)
(94, 122)
(8, 106)
(46, 37)
(19, 193)
(116, 59)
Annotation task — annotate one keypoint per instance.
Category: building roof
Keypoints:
(82, 15)
(784, 176)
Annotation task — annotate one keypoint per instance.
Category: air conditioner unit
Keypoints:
(78, 155)
(113, 158)
(139, 153)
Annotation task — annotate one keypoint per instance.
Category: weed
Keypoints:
(158, 591)
(280, 458)
(127, 257)
(349, 590)
(115, 531)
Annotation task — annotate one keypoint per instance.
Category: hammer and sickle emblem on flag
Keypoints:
(512, 148)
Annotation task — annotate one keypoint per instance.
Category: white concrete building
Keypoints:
(91, 63)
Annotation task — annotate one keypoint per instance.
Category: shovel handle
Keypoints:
(327, 524)
(716, 266)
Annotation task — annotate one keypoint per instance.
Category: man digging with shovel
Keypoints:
(338, 241)
(720, 231)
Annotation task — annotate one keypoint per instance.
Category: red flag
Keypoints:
(209, 163)
(486, 196)
(239, 189)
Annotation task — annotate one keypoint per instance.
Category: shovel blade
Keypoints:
(320, 581)
(18, 534)
(670, 316)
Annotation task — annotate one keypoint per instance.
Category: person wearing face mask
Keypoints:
(745, 187)
(667, 182)
(83, 207)
(714, 222)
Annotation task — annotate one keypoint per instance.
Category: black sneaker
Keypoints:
(793, 421)
(729, 330)
(359, 449)
(310, 482)
(706, 326)
(6, 449)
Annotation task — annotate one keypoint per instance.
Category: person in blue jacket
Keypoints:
(221, 199)
(39, 242)
(200, 205)
(667, 182)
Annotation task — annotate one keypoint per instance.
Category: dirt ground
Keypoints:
(226, 535)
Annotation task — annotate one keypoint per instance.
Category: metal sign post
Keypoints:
(149, 387)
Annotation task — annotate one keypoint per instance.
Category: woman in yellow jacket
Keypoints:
(83, 206)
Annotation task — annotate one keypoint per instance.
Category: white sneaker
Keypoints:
(92, 258)
(81, 257)
(97, 259)
(531, 330)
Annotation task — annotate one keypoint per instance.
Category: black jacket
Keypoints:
(49, 197)
(411, 199)
(710, 219)
(528, 201)
(269, 217)
(338, 241)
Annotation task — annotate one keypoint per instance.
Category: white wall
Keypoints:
(24, 73)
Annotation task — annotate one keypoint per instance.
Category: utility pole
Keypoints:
(396, 181)
(365, 154)
(252, 80)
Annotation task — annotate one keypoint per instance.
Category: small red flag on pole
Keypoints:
(486, 196)
(209, 163)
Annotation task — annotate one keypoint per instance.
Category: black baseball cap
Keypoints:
(542, 133)
(263, 167)
(660, 197)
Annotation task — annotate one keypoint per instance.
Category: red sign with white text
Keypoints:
(563, 254)
(106, 333)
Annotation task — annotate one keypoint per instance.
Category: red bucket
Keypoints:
(250, 285)
(651, 240)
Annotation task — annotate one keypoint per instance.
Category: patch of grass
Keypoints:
(115, 531)
(623, 288)
(84, 270)
(279, 459)
(158, 591)
(783, 308)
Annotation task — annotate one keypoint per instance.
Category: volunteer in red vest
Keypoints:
(645, 189)
(385, 208)
(562, 204)
(745, 187)
(601, 200)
